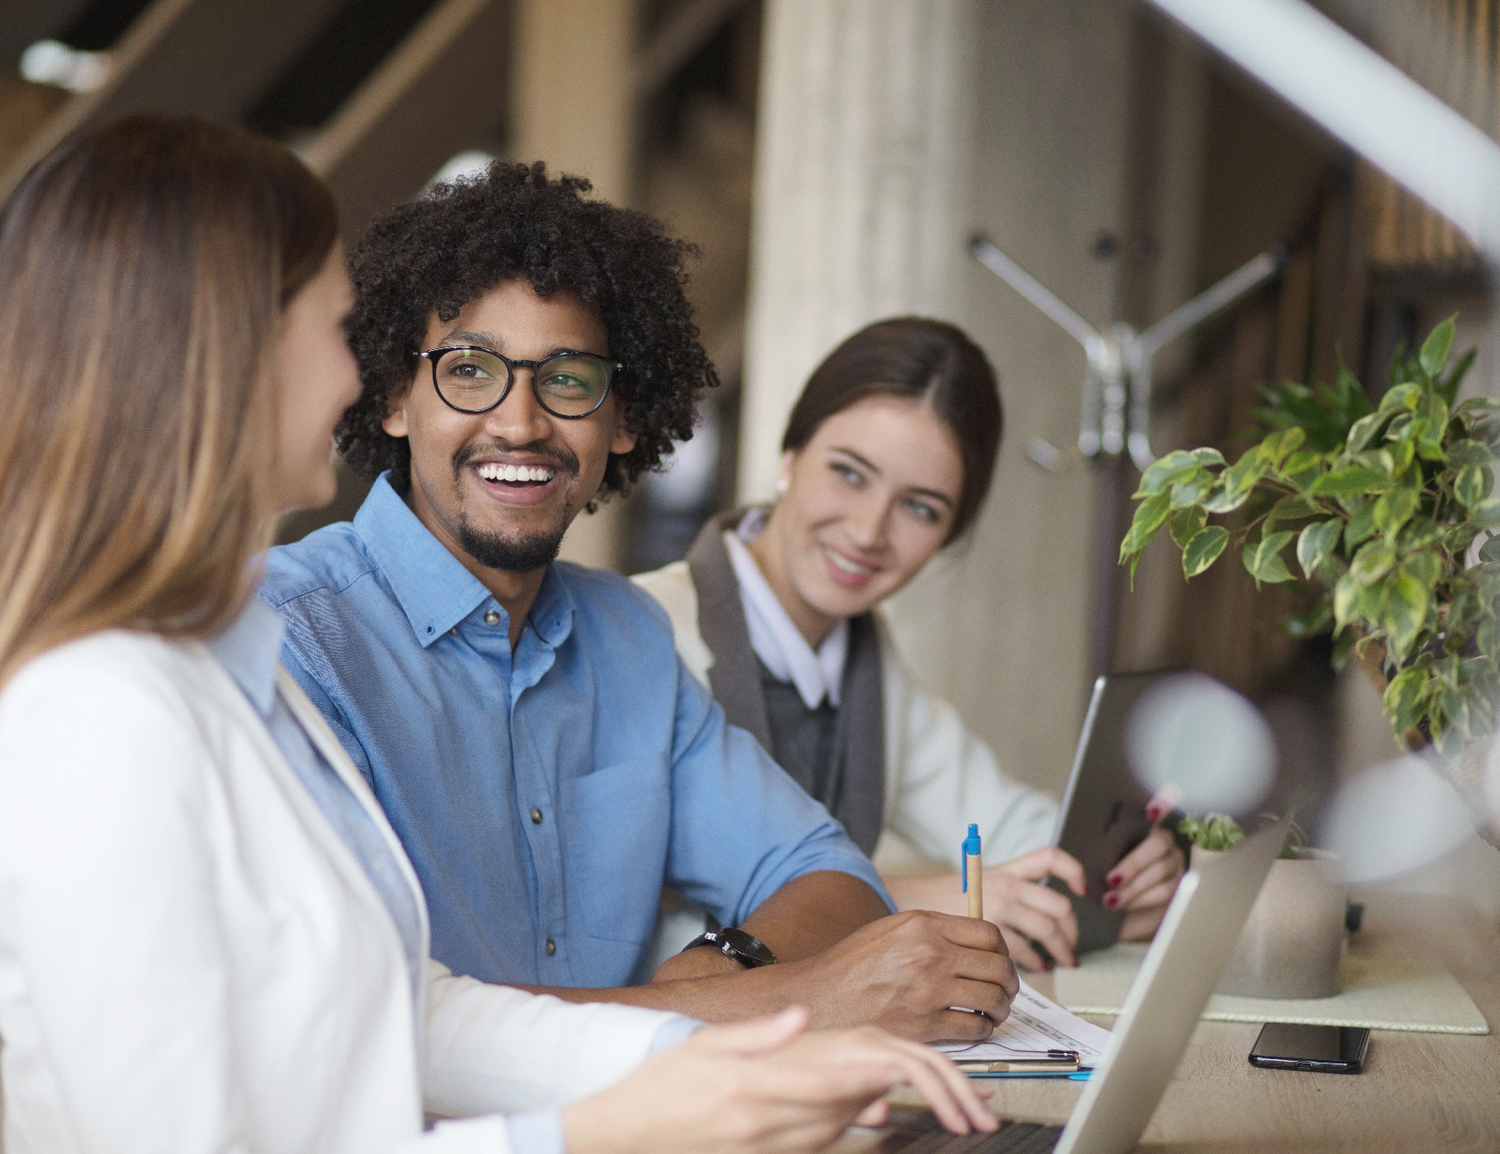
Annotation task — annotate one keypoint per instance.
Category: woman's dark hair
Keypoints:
(923, 360)
(455, 243)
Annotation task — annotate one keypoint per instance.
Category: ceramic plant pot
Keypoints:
(1294, 942)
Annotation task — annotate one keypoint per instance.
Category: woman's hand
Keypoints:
(767, 1087)
(1027, 913)
(1143, 883)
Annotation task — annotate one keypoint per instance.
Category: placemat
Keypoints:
(1379, 992)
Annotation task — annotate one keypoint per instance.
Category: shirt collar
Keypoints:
(250, 650)
(431, 585)
(777, 641)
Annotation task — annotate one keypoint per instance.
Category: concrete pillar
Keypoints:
(573, 105)
(860, 188)
(888, 130)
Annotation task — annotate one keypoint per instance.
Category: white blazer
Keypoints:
(191, 960)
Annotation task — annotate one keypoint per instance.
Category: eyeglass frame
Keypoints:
(433, 355)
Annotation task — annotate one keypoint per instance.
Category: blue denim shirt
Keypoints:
(544, 796)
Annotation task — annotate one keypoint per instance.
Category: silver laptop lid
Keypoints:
(1167, 998)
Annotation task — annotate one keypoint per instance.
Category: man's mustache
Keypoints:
(563, 460)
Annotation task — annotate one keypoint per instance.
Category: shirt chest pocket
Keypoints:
(618, 821)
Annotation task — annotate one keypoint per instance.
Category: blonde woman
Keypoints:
(210, 939)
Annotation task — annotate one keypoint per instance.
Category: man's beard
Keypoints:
(520, 555)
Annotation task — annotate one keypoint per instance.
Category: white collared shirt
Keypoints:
(776, 641)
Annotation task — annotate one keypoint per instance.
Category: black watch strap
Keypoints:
(734, 943)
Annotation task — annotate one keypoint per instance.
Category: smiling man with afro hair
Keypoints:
(545, 757)
(435, 254)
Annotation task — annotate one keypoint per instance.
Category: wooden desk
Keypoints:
(1419, 1092)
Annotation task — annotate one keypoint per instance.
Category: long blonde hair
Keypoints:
(144, 267)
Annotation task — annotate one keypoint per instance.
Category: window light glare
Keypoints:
(53, 62)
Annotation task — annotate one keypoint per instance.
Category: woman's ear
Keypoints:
(784, 471)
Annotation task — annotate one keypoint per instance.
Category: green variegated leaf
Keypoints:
(1425, 567)
(1479, 405)
(1486, 513)
(1361, 525)
(1405, 698)
(1466, 452)
(1364, 429)
(1149, 517)
(1184, 523)
(1402, 452)
(1275, 448)
(1435, 348)
(1317, 541)
(1191, 489)
(1165, 471)
(1398, 397)
(1403, 612)
(1350, 479)
(1395, 509)
(1490, 550)
(1203, 549)
(1373, 562)
(1420, 531)
(1263, 559)
(1345, 600)
(1472, 485)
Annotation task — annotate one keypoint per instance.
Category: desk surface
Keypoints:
(1418, 1092)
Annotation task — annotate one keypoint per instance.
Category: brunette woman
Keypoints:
(210, 939)
(886, 460)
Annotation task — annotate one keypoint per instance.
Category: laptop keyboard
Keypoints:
(917, 1131)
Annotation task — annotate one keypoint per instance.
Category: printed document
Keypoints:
(1036, 1022)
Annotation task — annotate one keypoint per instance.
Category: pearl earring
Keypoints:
(783, 484)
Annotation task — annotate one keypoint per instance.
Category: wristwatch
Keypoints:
(749, 951)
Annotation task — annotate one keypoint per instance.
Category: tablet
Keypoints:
(1103, 814)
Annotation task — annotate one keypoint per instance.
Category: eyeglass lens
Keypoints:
(569, 384)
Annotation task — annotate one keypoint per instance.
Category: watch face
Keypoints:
(751, 947)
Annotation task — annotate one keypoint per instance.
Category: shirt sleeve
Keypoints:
(495, 1049)
(292, 662)
(944, 777)
(741, 828)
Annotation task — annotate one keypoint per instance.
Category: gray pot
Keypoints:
(1294, 941)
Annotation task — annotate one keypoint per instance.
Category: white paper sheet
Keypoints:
(1036, 1022)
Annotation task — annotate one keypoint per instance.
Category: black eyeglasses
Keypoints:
(474, 379)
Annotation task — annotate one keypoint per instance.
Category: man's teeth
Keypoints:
(848, 566)
(514, 473)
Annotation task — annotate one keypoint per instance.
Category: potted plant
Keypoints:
(1294, 941)
(1376, 509)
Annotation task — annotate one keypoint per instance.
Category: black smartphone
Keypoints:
(1319, 1049)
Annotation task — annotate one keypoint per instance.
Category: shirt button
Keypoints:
(453, 632)
(551, 947)
(491, 617)
(536, 816)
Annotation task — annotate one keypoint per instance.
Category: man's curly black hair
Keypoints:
(453, 244)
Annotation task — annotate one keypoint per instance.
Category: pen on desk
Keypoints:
(974, 872)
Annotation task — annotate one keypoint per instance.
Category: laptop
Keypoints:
(1165, 1002)
(1103, 814)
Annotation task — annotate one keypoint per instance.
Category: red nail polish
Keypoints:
(1114, 880)
(1152, 813)
(1111, 901)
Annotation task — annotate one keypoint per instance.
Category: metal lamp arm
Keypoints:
(1038, 294)
(1140, 352)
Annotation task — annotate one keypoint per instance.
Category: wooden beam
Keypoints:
(211, 58)
(689, 28)
(442, 90)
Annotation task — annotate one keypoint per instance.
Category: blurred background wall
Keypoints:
(831, 158)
